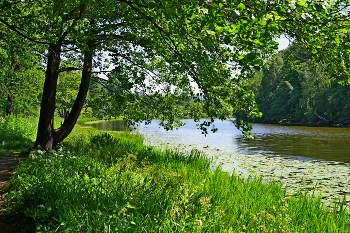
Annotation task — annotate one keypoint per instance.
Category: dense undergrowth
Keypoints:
(111, 182)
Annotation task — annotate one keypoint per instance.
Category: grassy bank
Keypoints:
(105, 182)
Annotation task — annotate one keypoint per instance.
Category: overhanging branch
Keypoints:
(16, 29)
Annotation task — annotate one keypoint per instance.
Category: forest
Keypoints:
(293, 89)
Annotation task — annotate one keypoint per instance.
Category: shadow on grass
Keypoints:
(13, 143)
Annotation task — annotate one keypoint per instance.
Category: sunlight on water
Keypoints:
(301, 142)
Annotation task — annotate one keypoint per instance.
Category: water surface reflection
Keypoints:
(328, 143)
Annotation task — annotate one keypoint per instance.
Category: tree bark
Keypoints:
(47, 136)
(9, 107)
(71, 118)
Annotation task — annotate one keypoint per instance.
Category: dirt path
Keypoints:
(7, 164)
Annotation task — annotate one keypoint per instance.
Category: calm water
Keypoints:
(326, 143)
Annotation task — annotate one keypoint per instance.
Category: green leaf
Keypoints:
(241, 6)
(262, 22)
(193, 17)
(301, 3)
(227, 39)
(171, 8)
(167, 16)
(152, 5)
(251, 56)
(319, 8)
(219, 29)
(258, 62)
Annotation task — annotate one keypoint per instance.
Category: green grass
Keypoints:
(112, 182)
(17, 134)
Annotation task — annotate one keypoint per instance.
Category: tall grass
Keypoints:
(17, 134)
(112, 182)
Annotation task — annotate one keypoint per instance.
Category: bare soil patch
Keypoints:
(7, 224)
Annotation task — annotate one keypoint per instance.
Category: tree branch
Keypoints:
(9, 4)
(14, 28)
(320, 117)
(81, 13)
(171, 44)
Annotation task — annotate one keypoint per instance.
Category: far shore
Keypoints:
(302, 124)
(264, 123)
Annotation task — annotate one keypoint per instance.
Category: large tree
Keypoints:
(159, 48)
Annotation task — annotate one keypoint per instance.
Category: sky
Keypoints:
(283, 42)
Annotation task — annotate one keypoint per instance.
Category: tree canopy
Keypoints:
(290, 90)
(159, 48)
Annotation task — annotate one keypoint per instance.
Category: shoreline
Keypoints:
(119, 176)
(303, 124)
(327, 179)
(324, 178)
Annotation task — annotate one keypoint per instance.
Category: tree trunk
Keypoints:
(320, 117)
(71, 118)
(9, 107)
(47, 136)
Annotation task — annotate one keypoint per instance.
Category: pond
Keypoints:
(300, 142)
(314, 160)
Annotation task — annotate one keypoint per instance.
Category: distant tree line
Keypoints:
(294, 89)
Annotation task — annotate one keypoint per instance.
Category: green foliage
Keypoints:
(158, 49)
(67, 90)
(17, 134)
(292, 89)
(21, 77)
(91, 184)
